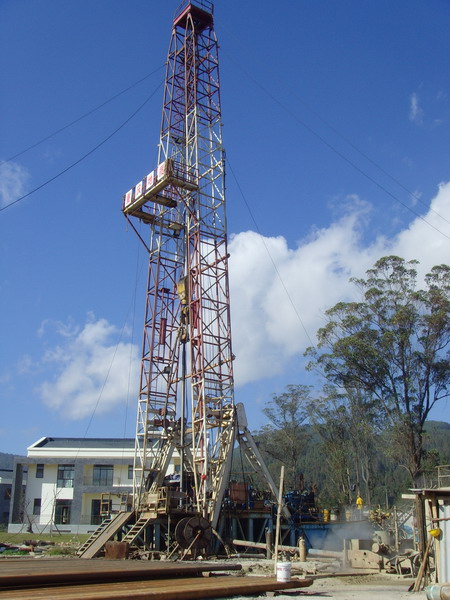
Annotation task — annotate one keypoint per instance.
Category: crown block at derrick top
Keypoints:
(153, 186)
(200, 11)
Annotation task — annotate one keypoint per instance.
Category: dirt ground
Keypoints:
(370, 587)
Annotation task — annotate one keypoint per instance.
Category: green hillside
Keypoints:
(317, 468)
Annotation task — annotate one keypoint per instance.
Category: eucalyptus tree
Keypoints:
(347, 425)
(285, 437)
(393, 344)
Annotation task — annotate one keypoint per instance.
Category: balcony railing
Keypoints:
(64, 483)
(104, 483)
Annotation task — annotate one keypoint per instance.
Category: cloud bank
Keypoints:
(278, 299)
(93, 370)
(279, 294)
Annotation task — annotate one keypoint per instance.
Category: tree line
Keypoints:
(385, 364)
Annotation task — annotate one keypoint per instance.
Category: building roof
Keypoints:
(64, 442)
(64, 447)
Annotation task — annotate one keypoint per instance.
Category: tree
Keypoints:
(284, 439)
(347, 425)
(330, 420)
(394, 346)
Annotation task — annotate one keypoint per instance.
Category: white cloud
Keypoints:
(13, 179)
(428, 239)
(415, 110)
(92, 370)
(278, 294)
(277, 311)
(65, 330)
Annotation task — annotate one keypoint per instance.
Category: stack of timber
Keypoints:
(112, 580)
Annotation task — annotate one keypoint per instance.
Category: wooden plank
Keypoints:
(423, 565)
(162, 589)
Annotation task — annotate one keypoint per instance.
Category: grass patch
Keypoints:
(64, 538)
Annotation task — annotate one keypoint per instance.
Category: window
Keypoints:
(130, 471)
(95, 512)
(39, 471)
(65, 476)
(37, 506)
(102, 475)
(62, 511)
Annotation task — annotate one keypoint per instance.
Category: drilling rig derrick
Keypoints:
(186, 403)
(186, 411)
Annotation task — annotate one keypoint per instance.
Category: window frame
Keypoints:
(37, 506)
(63, 512)
(103, 475)
(62, 478)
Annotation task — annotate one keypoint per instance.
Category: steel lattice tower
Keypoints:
(186, 399)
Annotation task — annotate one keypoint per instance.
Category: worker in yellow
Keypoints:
(359, 502)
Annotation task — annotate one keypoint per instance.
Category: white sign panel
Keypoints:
(128, 198)
(138, 190)
(161, 170)
(150, 181)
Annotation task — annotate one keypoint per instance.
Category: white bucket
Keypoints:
(284, 570)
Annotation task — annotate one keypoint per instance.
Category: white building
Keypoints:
(68, 482)
(6, 476)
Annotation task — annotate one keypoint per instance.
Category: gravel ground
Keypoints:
(370, 587)
(378, 586)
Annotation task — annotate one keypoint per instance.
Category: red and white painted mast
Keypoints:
(186, 396)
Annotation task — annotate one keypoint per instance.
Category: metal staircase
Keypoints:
(108, 528)
(137, 528)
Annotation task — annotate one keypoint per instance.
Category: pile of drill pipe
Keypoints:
(438, 591)
(292, 549)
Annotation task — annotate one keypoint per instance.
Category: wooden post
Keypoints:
(423, 565)
(280, 503)
(420, 525)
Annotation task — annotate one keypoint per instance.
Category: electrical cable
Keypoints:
(139, 266)
(104, 383)
(83, 116)
(133, 322)
(370, 160)
(338, 152)
(270, 255)
(123, 328)
(85, 155)
(31, 522)
(350, 143)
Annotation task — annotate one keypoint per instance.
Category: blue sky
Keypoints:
(336, 125)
